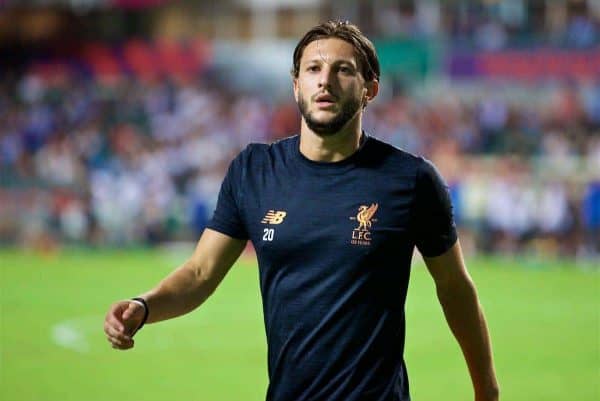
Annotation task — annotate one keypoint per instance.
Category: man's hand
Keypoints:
(120, 323)
(180, 292)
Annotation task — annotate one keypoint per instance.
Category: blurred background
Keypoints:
(118, 118)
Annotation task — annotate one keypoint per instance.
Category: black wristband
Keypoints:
(146, 311)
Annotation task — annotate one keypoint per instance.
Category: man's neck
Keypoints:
(329, 148)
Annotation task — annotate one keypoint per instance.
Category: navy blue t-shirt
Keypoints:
(334, 243)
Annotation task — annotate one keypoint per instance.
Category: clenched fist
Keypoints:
(121, 322)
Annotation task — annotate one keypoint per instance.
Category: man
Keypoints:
(334, 215)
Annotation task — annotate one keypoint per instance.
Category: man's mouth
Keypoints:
(325, 100)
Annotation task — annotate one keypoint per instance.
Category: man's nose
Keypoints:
(326, 77)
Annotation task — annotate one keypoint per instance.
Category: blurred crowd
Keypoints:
(132, 161)
(494, 25)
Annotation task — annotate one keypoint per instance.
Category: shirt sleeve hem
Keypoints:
(440, 250)
(227, 231)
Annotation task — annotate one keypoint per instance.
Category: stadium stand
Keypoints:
(117, 143)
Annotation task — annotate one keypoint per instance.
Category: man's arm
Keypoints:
(180, 292)
(458, 297)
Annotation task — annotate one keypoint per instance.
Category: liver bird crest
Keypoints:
(365, 215)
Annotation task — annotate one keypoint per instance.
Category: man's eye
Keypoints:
(313, 68)
(345, 70)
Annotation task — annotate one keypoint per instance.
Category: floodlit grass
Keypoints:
(544, 320)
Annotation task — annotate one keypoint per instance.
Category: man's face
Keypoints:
(329, 90)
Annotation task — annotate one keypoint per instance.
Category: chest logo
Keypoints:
(274, 217)
(361, 235)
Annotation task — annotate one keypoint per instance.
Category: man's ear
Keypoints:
(295, 85)
(372, 88)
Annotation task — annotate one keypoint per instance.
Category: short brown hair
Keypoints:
(365, 51)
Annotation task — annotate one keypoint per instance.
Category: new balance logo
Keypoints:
(274, 217)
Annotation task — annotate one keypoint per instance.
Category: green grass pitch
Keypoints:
(544, 321)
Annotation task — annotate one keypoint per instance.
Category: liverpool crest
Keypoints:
(361, 235)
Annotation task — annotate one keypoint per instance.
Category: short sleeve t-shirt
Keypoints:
(334, 243)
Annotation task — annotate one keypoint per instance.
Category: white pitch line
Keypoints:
(79, 334)
(69, 334)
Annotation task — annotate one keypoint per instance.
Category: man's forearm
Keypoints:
(180, 292)
(467, 322)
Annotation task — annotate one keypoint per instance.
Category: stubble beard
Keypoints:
(327, 128)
